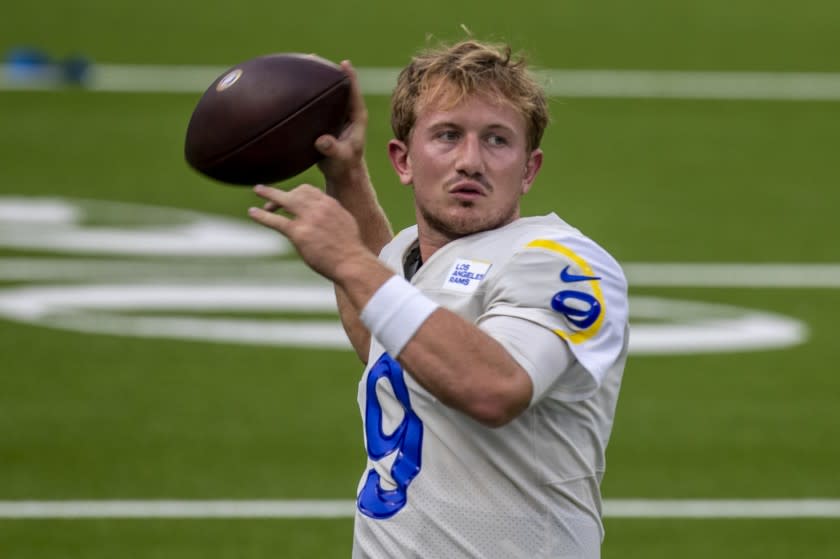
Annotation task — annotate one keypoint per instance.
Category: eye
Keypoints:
(447, 135)
(497, 140)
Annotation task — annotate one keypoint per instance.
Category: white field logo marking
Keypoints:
(99, 227)
(165, 297)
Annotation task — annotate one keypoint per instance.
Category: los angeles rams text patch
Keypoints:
(466, 275)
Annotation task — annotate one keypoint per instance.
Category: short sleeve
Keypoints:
(547, 359)
(572, 287)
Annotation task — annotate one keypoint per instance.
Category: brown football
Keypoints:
(258, 121)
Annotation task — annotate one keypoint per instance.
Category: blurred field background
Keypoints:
(94, 416)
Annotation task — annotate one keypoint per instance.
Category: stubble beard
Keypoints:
(462, 224)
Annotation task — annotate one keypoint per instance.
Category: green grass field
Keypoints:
(101, 415)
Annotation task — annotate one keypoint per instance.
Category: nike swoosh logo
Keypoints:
(568, 277)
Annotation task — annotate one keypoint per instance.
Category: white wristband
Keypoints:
(395, 312)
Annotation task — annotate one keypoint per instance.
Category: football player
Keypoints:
(494, 343)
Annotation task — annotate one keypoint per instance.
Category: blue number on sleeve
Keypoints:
(583, 319)
(406, 440)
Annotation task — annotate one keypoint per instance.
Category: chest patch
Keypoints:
(466, 275)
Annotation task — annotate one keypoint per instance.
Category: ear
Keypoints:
(532, 167)
(398, 154)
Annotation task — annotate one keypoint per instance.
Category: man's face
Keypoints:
(468, 165)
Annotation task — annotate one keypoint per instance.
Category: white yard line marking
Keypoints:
(613, 508)
(712, 508)
(710, 274)
(787, 86)
(177, 509)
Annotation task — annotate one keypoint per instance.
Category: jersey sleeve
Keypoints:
(571, 287)
(546, 358)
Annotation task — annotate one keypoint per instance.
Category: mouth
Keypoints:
(468, 190)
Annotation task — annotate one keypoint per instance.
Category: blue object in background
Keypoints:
(27, 63)
(32, 65)
(75, 69)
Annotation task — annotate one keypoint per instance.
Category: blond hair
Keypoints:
(449, 74)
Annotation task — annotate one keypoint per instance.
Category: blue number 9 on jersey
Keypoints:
(583, 318)
(406, 440)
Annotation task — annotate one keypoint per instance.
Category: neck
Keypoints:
(431, 241)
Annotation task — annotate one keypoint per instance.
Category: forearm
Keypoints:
(358, 196)
(453, 359)
(358, 335)
(467, 370)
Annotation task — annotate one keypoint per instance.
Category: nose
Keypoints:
(470, 160)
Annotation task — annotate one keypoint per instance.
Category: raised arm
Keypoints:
(348, 181)
(346, 174)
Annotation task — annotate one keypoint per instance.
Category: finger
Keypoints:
(293, 201)
(271, 220)
(271, 195)
(358, 111)
(327, 145)
(333, 148)
(271, 206)
(275, 198)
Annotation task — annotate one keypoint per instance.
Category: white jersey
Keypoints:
(438, 484)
